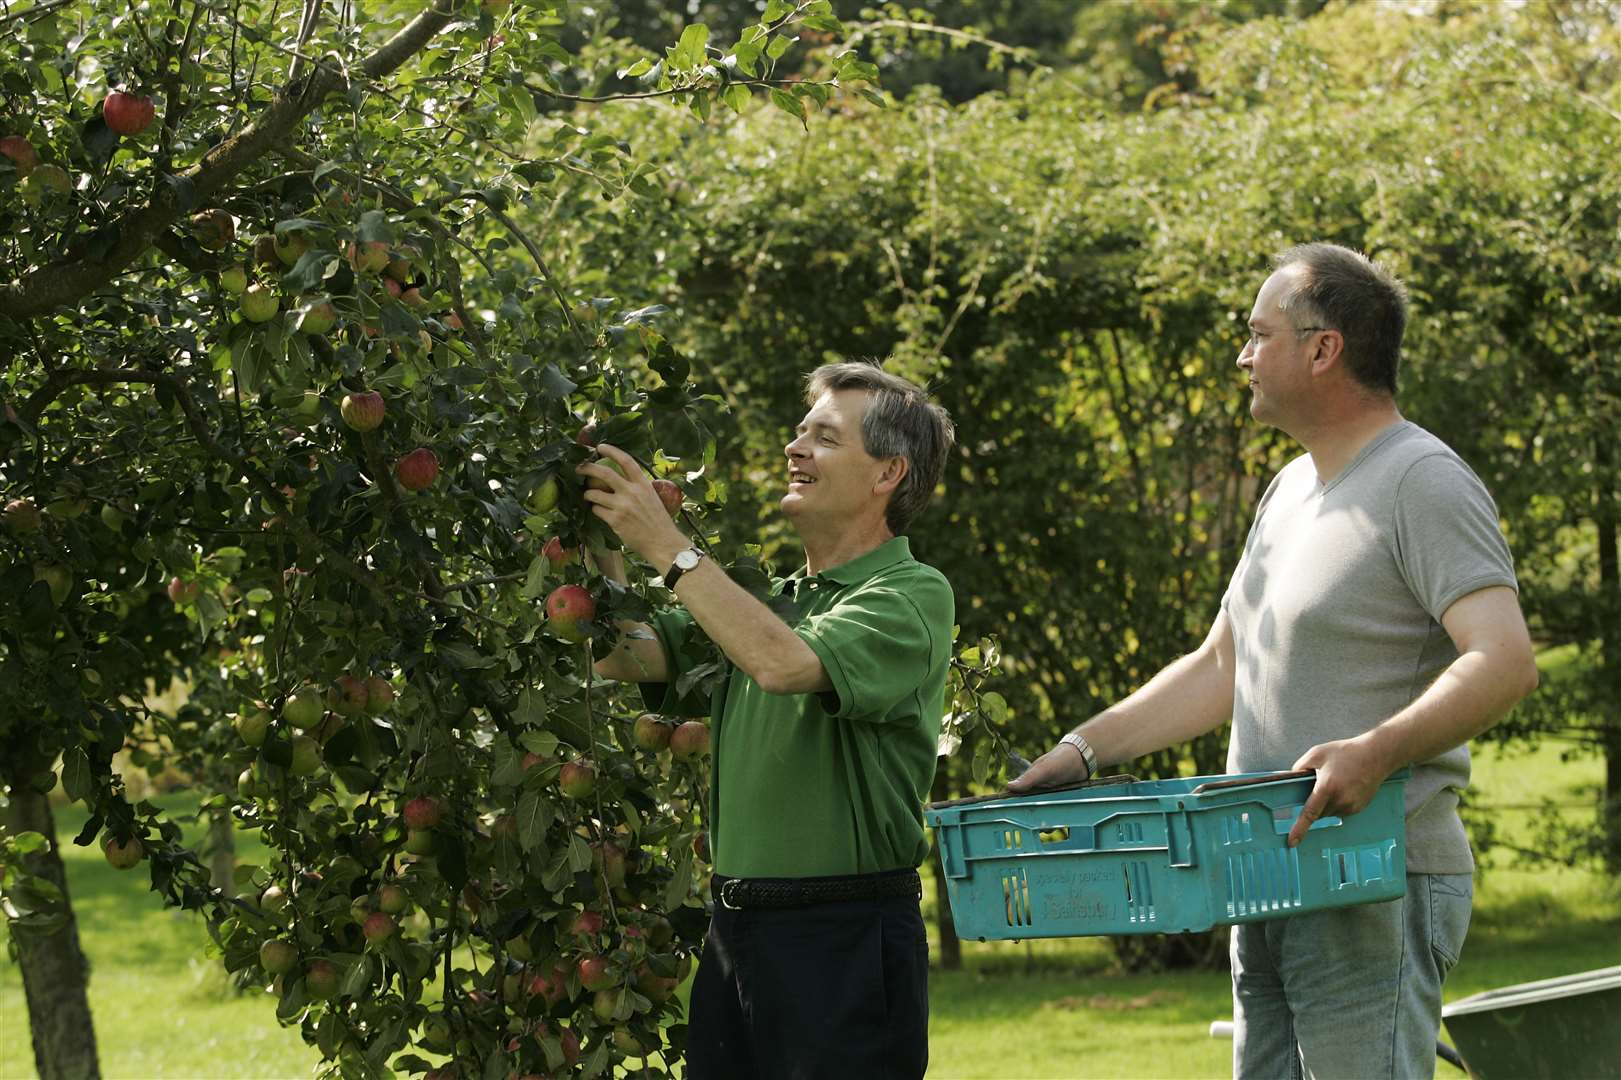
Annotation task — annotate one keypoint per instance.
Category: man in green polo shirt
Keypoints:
(816, 963)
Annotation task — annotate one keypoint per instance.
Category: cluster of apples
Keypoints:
(124, 113)
(364, 411)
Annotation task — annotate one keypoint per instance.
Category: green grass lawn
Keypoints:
(1043, 1009)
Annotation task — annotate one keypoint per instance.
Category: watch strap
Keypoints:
(1089, 756)
(673, 574)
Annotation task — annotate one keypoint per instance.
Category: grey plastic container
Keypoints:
(1567, 1028)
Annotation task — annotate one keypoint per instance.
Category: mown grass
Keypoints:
(1043, 1009)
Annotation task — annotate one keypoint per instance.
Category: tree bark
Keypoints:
(221, 851)
(1609, 652)
(55, 973)
(945, 925)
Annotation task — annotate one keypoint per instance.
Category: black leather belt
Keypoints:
(738, 894)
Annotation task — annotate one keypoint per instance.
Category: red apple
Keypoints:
(567, 607)
(278, 957)
(690, 740)
(587, 436)
(609, 861)
(363, 411)
(321, 979)
(595, 974)
(21, 152)
(182, 591)
(22, 516)
(123, 854)
(213, 229)
(393, 288)
(378, 927)
(417, 470)
(551, 987)
(412, 297)
(651, 733)
(401, 262)
(304, 709)
(454, 321)
(393, 899)
(274, 898)
(532, 759)
(379, 695)
(348, 695)
(259, 304)
(655, 988)
(368, 256)
(318, 316)
(423, 812)
(128, 114)
(669, 494)
(556, 554)
(587, 924)
(577, 780)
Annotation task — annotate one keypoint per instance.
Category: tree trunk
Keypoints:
(950, 946)
(53, 966)
(1609, 653)
(221, 851)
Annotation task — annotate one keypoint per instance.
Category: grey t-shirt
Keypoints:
(1336, 607)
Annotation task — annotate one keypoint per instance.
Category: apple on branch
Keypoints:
(127, 114)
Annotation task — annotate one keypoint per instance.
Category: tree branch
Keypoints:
(63, 284)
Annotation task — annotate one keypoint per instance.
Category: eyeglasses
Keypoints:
(1257, 336)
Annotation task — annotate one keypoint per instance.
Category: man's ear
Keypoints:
(895, 470)
(1328, 352)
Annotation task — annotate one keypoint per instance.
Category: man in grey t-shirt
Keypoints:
(1372, 623)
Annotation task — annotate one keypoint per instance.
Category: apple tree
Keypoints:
(295, 381)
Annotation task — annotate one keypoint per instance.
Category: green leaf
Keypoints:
(535, 583)
(543, 743)
(531, 713)
(636, 70)
(676, 891)
(534, 816)
(508, 771)
(26, 843)
(689, 50)
(788, 103)
(77, 779)
(736, 97)
(579, 854)
(461, 655)
(780, 43)
(374, 228)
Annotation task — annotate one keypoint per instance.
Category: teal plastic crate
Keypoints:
(1161, 856)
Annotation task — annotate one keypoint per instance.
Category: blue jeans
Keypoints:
(1351, 992)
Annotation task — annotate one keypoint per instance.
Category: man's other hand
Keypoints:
(631, 508)
(1349, 772)
(1059, 766)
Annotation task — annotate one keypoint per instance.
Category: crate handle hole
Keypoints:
(1054, 836)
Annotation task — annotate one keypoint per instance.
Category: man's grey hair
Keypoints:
(1344, 290)
(900, 421)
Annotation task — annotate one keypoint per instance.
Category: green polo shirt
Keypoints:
(811, 785)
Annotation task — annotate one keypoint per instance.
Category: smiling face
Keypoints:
(1277, 357)
(830, 473)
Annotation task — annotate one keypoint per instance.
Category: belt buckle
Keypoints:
(726, 900)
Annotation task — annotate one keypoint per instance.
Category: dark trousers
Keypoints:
(833, 990)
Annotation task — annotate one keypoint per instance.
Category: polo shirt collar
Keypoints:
(859, 569)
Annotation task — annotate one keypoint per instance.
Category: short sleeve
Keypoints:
(685, 648)
(880, 642)
(1448, 541)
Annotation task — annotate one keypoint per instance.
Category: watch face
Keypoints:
(687, 559)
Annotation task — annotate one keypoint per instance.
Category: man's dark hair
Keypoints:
(1344, 290)
(900, 422)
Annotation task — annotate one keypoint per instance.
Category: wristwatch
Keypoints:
(684, 561)
(1089, 757)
